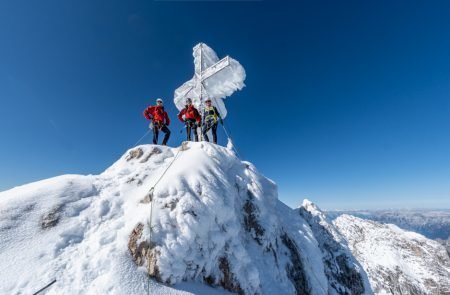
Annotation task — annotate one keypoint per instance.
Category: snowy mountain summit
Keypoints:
(211, 224)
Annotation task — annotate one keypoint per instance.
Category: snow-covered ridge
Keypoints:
(216, 223)
(346, 272)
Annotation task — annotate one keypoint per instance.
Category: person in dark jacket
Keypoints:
(191, 117)
(160, 121)
(211, 117)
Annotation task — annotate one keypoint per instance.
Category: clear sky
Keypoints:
(346, 102)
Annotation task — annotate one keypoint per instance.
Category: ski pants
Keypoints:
(190, 125)
(213, 127)
(163, 128)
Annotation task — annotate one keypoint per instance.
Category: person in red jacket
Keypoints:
(191, 117)
(160, 121)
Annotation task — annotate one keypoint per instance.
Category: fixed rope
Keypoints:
(228, 134)
(150, 195)
(42, 289)
(148, 131)
(152, 189)
(238, 154)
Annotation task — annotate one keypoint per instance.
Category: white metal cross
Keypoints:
(202, 74)
(207, 66)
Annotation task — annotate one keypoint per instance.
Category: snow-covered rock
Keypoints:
(216, 221)
(396, 261)
(76, 229)
(345, 275)
(197, 220)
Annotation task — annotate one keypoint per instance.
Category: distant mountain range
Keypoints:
(433, 224)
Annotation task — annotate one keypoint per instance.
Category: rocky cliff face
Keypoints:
(396, 261)
(344, 273)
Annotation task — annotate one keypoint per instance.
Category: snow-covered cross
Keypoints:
(213, 78)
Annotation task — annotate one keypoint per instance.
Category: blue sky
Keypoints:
(347, 102)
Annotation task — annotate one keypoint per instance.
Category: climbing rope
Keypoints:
(150, 195)
(152, 189)
(228, 134)
(42, 289)
(148, 131)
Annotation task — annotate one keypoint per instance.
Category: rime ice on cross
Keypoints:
(213, 78)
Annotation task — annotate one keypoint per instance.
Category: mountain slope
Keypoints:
(215, 220)
(344, 270)
(195, 218)
(396, 261)
(75, 229)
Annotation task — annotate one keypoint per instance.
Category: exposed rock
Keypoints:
(185, 145)
(154, 151)
(147, 199)
(143, 251)
(51, 218)
(137, 251)
(135, 154)
(228, 281)
(348, 276)
(152, 266)
(341, 265)
(251, 219)
(295, 270)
